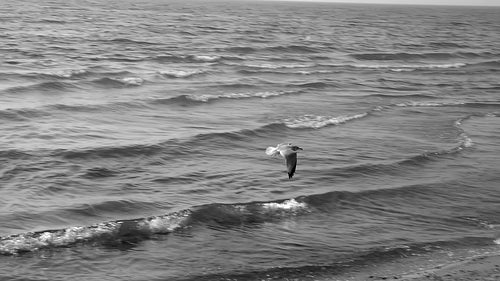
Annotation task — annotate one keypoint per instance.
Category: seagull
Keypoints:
(288, 151)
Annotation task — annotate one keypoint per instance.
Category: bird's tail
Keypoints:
(272, 151)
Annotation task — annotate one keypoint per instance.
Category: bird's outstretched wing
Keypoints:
(291, 164)
(272, 151)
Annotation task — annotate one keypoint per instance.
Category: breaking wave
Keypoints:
(119, 82)
(420, 56)
(293, 49)
(224, 216)
(135, 230)
(44, 87)
(187, 58)
(316, 122)
(194, 99)
(181, 73)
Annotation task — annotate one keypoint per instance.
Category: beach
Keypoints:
(478, 268)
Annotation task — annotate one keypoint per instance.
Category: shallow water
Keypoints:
(133, 139)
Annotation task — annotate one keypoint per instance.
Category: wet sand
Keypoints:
(477, 268)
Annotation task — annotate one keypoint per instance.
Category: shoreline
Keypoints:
(486, 267)
(481, 267)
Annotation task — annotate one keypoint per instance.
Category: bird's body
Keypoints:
(289, 152)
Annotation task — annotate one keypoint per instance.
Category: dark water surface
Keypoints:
(133, 137)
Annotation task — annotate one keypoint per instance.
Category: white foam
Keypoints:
(402, 69)
(450, 65)
(497, 241)
(427, 104)
(180, 73)
(164, 224)
(34, 241)
(316, 122)
(291, 204)
(410, 67)
(206, 98)
(68, 73)
(304, 72)
(467, 142)
(278, 66)
(206, 58)
(133, 81)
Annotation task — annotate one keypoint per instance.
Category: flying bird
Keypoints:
(289, 152)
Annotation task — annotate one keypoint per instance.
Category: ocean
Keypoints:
(133, 138)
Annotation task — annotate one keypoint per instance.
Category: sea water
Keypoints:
(133, 136)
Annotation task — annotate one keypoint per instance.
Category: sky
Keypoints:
(418, 2)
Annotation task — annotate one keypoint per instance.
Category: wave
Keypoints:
(135, 230)
(347, 264)
(52, 21)
(400, 167)
(66, 74)
(25, 114)
(129, 41)
(309, 69)
(420, 56)
(478, 104)
(72, 79)
(174, 147)
(240, 50)
(342, 266)
(401, 95)
(292, 49)
(301, 49)
(94, 173)
(71, 73)
(447, 45)
(492, 65)
(429, 104)
(188, 58)
(228, 216)
(44, 87)
(314, 85)
(408, 67)
(318, 121)
(14, 154)
(196, 99)
(272, 66)
(119, 82)
(181, 73)
(189, 146)
(21, 114)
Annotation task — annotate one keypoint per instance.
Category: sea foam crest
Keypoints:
(206, 58)
(428, 104)
(69, 73)
(278, 66)
(180, 73)
(466, 140)
(316, 122)
(102, 232)
(206, 98)
(291, 204)
(164, 224)
(410, 67)
(143, 228)
(33, 241)
(133, 81)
